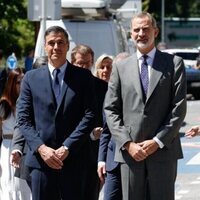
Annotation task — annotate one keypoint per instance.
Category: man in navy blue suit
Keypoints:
(83, 56)
(55, 114)
(108, 169)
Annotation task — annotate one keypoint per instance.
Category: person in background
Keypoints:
(145, 106)
(193, 131)
(161, 46)
(56, 114)
(103, 67)
(40, 61)
(17, 156)
(3, 73)
(108, 169)
(83, 56)
(29, 60)
(11, 188)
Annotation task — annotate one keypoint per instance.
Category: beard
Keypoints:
(143, 45)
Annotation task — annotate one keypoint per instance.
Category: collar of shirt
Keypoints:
(150, 59)
(62, 71)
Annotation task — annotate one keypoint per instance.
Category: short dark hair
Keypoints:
(56, 29)
(83, 50)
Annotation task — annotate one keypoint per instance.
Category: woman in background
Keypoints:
(11, 188)
(103, 67)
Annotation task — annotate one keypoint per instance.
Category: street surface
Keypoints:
(188, 179)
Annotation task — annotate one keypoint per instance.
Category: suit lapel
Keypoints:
(64, 86)
(156, 73)
(135, 74)
(47, 82)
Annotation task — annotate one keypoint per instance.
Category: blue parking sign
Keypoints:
(11, 62)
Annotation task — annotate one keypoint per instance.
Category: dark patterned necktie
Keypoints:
(144, 74)
(56, 84)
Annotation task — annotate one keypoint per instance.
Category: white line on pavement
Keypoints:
(194, 160)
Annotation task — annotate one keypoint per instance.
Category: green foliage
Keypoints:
(173, 8)
(16, 32)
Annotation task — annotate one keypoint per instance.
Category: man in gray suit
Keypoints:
(145, 106)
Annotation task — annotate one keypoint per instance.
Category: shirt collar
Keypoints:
(62, 68)
(151, 54)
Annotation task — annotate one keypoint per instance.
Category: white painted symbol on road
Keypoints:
(194, 160)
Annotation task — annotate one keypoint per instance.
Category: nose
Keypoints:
(141, 32)
(105, 69)
(55, 45)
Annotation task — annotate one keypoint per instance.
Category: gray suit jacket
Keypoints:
(131, 119)
(19, 143)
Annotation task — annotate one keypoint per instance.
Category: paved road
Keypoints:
(188, 179)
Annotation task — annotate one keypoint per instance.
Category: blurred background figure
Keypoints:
(3, 73)
(103, 67)
(161, 46)
(29, 60)
(193, 131)
(83, 56)
(198, 63)
(108, 169)
(11, 188)
(40, 61)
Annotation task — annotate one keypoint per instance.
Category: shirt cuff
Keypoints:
(101, 163)
(160, 144)
(66, 148)
(18, 151)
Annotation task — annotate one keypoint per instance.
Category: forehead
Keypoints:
(141, 22)
(107, 60)
(55, 36)
(80, 56)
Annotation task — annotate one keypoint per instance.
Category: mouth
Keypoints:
(143, 41)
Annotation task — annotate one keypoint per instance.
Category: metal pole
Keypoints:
(163, 21)
(43, 22)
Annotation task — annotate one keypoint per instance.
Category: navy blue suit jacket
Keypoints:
(107, 149)
(41, 121)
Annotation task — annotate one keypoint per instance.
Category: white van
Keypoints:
(103, 36)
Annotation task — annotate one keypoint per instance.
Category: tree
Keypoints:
(16, 32)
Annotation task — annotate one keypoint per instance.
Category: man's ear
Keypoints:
(156, 32)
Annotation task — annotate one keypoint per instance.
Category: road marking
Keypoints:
(195, 182)
(191, 144)
(195, 160)
(183, 191)
(177, 197)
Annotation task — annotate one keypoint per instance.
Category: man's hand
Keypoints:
(62, 153)
(101, 170)
(15, 158)
(194, 131)
(50, 157)
(135, 151)
(149, 146)
(97, 132)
